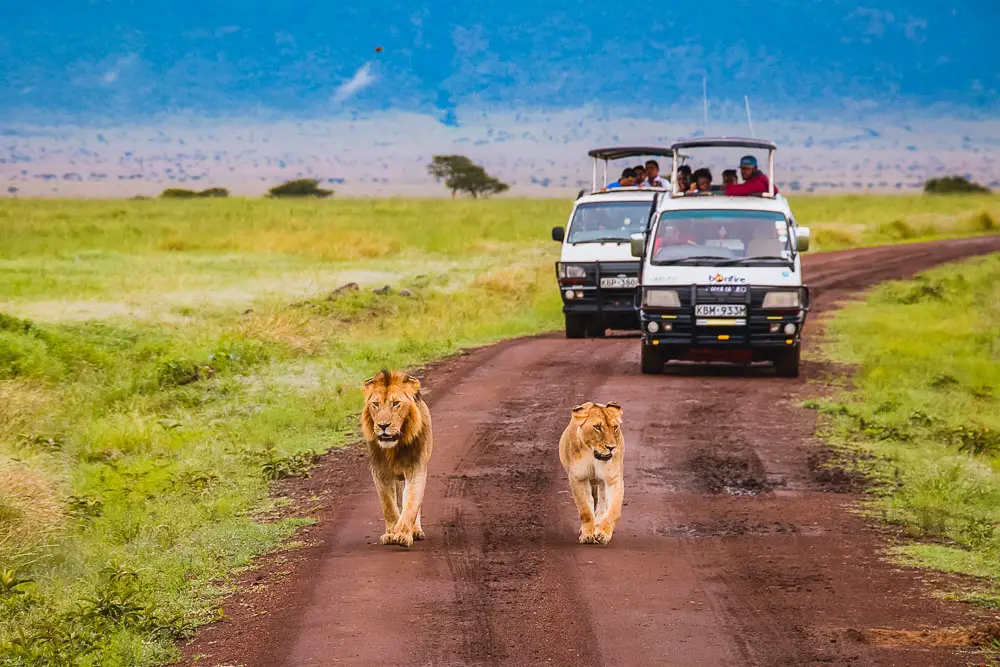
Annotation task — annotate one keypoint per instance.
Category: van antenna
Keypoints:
(704, 98)
(749, 119)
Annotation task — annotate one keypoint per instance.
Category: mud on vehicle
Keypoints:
(720, 276)
(597, 275)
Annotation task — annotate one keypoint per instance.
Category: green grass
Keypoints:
(853, 221)
(924, 413)
(163, 363)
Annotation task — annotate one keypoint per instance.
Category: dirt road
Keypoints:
(730, 550)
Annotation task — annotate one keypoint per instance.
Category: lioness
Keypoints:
(592, 450)
(396, 422)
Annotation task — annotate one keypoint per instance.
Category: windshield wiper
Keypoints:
(604, 239)
(678, 260)
(760, 258)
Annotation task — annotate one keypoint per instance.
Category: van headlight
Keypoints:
(782, 300)
(661, 298)
(572, 271)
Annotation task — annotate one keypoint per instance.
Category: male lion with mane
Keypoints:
(396, 423)
(592, 451)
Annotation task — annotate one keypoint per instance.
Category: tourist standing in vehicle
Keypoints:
(754, 180)
(684, 178)
(729, 177)
(640, 174)
(626, 180)
(653, 175)
(702, 180)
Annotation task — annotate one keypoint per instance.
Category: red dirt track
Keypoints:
(730, 550)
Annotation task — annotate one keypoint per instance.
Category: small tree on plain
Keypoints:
(303, 187)
(460, 174)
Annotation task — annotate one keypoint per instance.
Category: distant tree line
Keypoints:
(303, 187)
(181, 193)
(950, 185)
(459, 173)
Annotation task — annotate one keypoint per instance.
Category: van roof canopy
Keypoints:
(622, 152)
(725, 142)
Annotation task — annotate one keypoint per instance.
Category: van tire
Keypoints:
(651, 361)
(576, 326)
(787, 365)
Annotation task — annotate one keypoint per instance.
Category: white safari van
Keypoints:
(720, 275)
(597, 274)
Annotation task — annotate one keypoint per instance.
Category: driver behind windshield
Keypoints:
(608, 222)
(677, 234)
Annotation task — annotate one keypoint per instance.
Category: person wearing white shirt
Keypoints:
(653, 175)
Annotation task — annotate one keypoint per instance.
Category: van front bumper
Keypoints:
(765, 329)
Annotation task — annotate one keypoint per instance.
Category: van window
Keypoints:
(608, 221)
(722, 234)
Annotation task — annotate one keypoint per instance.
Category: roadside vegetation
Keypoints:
(921, 419)
(163, 362)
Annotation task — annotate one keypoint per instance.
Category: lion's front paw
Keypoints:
(418, 534)
(603, 532)
(587, 537)
(403, 539)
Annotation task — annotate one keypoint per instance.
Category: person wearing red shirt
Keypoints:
(754, 180)
(673, 237)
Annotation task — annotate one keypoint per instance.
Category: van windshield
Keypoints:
(608, 221)
(712, 237)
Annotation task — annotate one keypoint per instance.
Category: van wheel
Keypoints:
(652, 361)
(576, 326)
(787, 365)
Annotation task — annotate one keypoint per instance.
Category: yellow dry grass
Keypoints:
(21, 402)
(295, 330)
(31, 513)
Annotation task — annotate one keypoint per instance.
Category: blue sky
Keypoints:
(125, 60)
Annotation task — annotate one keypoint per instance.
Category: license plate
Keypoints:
(721, 310)
(619, 283)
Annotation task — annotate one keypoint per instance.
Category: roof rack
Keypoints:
(725, 142)
(622, 152)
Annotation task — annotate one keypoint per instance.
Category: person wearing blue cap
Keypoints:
(754, 180)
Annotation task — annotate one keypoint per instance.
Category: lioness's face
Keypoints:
(600, 428)
(389, 404)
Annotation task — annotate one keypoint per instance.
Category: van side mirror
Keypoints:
(558, 234)
(802, 239)
(638, 245)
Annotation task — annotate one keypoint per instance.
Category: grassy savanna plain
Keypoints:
(162, 363)
(921, 417)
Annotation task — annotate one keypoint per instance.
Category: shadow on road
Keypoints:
(718, 369)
